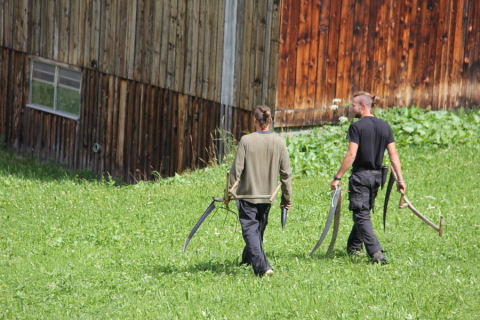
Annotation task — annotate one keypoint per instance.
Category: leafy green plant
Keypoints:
(321, 151)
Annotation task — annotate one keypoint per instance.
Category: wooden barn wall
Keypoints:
(424, 53)
(172, 44)
(140, 128)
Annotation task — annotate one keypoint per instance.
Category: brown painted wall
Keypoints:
(424, 53)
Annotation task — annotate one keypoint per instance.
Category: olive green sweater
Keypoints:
(260, 159)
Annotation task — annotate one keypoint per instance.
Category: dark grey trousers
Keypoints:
(254, 220)
(363, 187)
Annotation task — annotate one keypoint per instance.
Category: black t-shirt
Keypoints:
(372, 136)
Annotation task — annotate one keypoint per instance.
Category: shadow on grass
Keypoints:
(27, 167)
(335, 255)
(213, 266)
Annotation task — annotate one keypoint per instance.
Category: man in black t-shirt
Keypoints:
(369, 137)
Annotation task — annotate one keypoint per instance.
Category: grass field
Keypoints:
(72, 247)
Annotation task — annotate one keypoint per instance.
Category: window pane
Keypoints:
(44, 72)
(68, 101)
(42, 94)
(69, 78)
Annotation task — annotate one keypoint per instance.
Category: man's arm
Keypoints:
(346, 163)
(395, 160)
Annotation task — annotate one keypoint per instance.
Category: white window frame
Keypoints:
(57, 65)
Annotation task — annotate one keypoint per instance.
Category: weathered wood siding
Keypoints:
(153, 77)
(424, 53)
(140, 128)
(172, 44)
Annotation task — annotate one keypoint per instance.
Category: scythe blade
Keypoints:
(331, 213)
(391, 180)
(199, 223)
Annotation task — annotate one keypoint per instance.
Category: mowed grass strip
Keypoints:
(74, 247)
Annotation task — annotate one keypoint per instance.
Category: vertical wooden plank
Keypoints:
(157, 43)
(2, 22)
(73, 31)
(87, 33)
(458, 70)
(34, 29)
(413, 44)
(122, 106)
(472, 56)
(17, 106)
(166, 131)
(156, 131)
(360, 25)
(173, 150)
(97, 15)
(131, 27)
(121, 58)
(393, 54)
(332, 54)
(271, 54)
(139, 131)
(180, 141)
(218, 58)
(104, 31)
(428, 79)
(140, 39)
(464, 56)
(208, 46)
(191, 46)
(378, 65)
(109, 124)
(111, 54)
(419, 75)
(172, 45)
(80, 42)
(8, 24)
(180, 45)
(165, 44)
(239, 54)
(303, 41)
(151, 143)
(441, 53)
(20, 25)
(406, 20)
(195, 134)
(322, 59)
(283, 58)
(314, 9)
(148, 41)
(344, 79)
(131, 128)
(3, 93)
(258, 53)
(64, 40)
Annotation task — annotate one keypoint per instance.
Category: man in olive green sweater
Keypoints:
(261, 157)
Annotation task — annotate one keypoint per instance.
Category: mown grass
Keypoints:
(72, 247)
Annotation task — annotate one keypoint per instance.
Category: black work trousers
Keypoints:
(254, 220)
(363, 188)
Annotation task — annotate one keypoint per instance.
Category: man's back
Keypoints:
(372, 136)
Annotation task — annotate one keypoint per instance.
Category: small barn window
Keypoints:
(55, 88)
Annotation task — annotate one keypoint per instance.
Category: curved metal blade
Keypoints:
(336, 225)
(333, 208)
(391, 180)
(283, 216)
(199, 222)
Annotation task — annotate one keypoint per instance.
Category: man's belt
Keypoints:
(360, 169)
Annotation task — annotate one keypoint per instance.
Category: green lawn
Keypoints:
(75, 248)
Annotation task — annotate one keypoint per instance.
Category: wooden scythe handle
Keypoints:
(404, 203)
